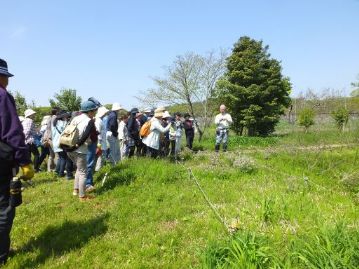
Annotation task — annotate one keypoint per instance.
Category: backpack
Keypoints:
(46, 137)
(145, 129)
(70, 136)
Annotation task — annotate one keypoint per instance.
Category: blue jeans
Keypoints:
(115, 154)
(222, 137)
(63, 163)
(90, 159)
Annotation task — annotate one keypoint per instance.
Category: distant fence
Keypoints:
(319, 117)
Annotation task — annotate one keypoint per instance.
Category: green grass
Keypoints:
(287, 208)
(287, 135)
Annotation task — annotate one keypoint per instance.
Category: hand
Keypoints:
(27, 172)
(98, 151)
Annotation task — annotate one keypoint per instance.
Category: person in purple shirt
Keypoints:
(13, 153)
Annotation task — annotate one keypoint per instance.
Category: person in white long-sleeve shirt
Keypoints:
(223, 121)
(123, 136)
(102, 142)
(152, 141)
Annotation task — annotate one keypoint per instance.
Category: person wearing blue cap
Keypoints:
(85, 126)
(13, 153)
(91, 152)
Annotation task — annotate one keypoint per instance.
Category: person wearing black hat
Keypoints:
(133, 129)
(13, 153)
(63, 161)
(189, 130)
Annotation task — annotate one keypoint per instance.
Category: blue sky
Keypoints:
(110, 49)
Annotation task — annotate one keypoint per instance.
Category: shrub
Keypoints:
(306, 118)
(341, 117)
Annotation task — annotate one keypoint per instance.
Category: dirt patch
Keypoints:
(168, 225)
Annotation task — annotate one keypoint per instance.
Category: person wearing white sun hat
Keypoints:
(102, 143)
(30, 132)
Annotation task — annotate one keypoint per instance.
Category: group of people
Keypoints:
(102, 135)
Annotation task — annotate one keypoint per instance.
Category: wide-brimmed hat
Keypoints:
(116, 107)
(102, 111)
(88, 106)
(159, 112)
(166, 115)
(3, 69)
(29, 112)
(45, 120)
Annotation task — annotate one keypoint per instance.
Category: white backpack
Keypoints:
(70, 136)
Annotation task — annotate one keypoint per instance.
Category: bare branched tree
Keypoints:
(189, 81)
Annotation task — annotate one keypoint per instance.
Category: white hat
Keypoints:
(159, 112)
(21, 118)
(166, 114)
(45, 120)
(29, 112)
(116, 107)
(102, 111)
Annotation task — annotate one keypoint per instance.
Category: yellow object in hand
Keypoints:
(27, 172)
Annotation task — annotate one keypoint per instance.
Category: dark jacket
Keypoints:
(11, 131)
(188, 127)
(112, 123)
(133, 128)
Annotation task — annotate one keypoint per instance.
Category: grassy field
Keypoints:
(290, 201)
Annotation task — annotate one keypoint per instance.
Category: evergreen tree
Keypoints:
(254, 88)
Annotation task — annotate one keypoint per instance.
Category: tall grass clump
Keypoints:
(245, 250)
(337, 247)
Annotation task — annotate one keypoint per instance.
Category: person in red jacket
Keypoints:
(13, 153)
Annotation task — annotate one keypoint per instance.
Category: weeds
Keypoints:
(333, 248)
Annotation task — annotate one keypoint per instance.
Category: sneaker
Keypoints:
(89, 188)
(85, 198)
(75, 192)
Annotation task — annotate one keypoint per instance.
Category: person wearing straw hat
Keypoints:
(12, 140)
(112, 133)
(152, 141)
(30, 132)
(165, 137)
(102, 143)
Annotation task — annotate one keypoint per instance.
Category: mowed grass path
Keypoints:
(150, 214)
